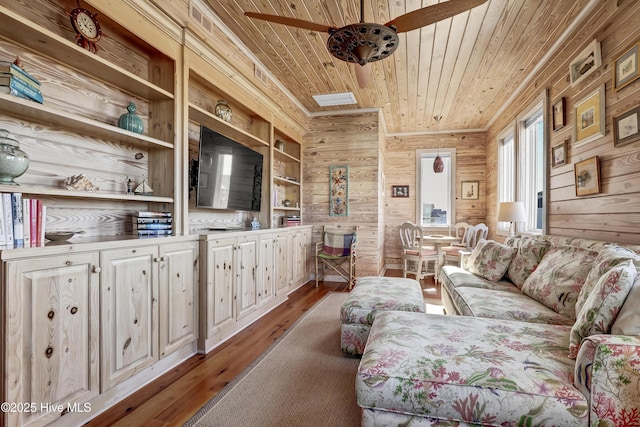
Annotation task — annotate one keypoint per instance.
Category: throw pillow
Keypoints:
(526, 260)
(557, 281)
(490, 260)
(607, 258)
(602, 305)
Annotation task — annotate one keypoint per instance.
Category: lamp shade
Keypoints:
(438, 164)
(512, 212)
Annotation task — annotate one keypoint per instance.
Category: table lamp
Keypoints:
(511, 212)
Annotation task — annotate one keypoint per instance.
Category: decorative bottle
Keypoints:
(131, 121)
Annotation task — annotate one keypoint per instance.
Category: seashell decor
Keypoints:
(79, 183)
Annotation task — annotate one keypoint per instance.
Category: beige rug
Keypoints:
(302, 380)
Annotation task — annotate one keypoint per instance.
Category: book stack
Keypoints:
(18, 82)
(291, 220)
(151, 224)
(21, 220)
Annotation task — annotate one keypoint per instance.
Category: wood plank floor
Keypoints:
(173, 398)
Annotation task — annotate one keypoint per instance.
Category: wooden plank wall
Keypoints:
(352, 140)
(400, 169)
(614, 214)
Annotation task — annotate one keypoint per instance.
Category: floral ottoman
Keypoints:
(370, 296)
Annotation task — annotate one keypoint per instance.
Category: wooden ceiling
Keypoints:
(463, 68)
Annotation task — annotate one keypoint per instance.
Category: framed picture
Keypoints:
(399, 191)
(558, 114)
(625, 127)
(559, 154)
(586, 63)
(338, 190)
(469, 190)
(587, 174)
(588, 118)
(625, 68)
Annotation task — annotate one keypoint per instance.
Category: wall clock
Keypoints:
(87, 28)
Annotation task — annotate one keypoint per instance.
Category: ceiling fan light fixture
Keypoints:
(363, 42)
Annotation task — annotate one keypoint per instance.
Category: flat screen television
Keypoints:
(229, 173)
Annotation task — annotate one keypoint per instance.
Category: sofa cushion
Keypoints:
(601, 307)
(628, 320)
(529, 252)
(607, 258)
(469, 369)
(490, 260)
(497, 304)
(559, 278)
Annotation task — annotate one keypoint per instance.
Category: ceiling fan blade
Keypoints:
(363, 74)
(431, 14)
(292, 22)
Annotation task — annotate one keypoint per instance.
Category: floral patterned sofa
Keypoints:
(549, 336)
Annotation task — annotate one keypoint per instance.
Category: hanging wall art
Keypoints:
(339, 190)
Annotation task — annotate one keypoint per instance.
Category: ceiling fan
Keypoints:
(366, 42)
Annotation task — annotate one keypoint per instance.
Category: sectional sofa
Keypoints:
(539, 331)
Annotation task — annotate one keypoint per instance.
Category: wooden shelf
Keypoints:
(212, 121)
(285, 180)
(45, 42)
(41, 113)
(284, 208)
(98, 195)
(285, 155)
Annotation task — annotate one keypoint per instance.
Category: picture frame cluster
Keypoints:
(588, 114)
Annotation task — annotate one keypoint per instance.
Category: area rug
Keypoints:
(303, 379)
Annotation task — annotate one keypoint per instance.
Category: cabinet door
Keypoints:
(128, 294)
(282, 263)
(177, 299)
(298, 257)
(246, 272)
(267, 278)
(52, 333)
(220, 285)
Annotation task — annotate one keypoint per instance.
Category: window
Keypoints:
(506, 173)
(435, 201)
(521, 170)
(531, 165)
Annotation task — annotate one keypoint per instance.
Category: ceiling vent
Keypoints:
(332, 99)
(259, 74)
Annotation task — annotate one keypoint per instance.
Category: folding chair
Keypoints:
(337, 251)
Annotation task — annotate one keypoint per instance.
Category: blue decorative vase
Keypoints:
(131, 121)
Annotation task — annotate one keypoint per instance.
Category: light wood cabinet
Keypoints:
(148, 306)
(178, 290)
(52, 335)
(267, 267)
(245, 274)
(129, 312)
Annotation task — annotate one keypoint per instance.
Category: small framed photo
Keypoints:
(469, 190)
(399, 191)
(559, 154)
(626, 127)
(559, 119)
(587, 173)
(589, 119)
(586, 63)
(625, 68)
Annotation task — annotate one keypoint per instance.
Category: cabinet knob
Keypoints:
(159, 259)
(96, 269)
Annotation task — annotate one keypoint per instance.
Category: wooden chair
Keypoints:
(451, 253)
(473, 235)
(337, 252)
(414, 255)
